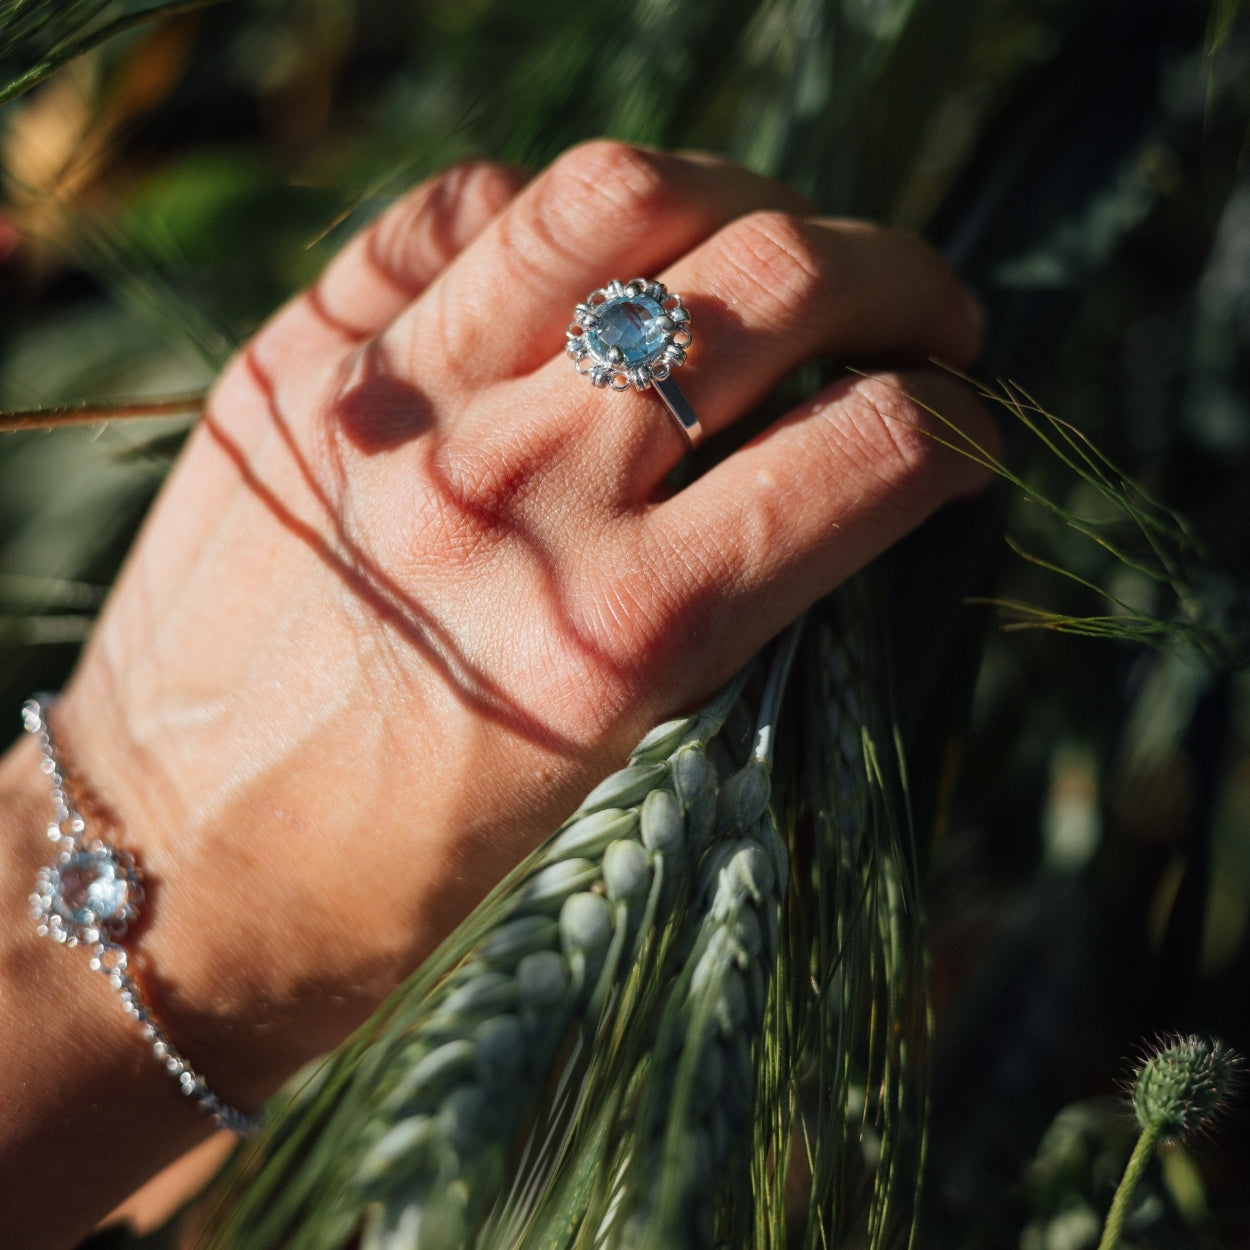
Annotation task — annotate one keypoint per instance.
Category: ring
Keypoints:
(635, 334)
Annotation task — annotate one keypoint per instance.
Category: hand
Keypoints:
(415, 584)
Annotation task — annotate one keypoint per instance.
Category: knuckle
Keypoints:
(401, 247)
(431, 226)
(625, 622)
(485, 186)
(493, 480)
(476, 488)
(629, 178)
(697, 567)
(446, 528)
(601, 180)
(780, 257)
(896, 435)
(765, 527)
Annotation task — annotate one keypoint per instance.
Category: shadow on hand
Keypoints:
(379, 413)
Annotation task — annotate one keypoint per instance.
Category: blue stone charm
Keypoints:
(92, 888)
(629, 334)
(90, 894)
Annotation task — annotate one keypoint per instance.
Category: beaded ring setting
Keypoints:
(635, 334)
(629, 334)
(90, 895)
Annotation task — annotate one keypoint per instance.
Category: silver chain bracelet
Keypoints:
(90, 895)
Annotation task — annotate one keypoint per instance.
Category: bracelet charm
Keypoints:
(91, 893)
(90, 896)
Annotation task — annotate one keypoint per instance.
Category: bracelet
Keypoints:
(90, 895)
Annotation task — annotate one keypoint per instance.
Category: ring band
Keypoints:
(635, 334)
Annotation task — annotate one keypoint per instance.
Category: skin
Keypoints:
(413, 587)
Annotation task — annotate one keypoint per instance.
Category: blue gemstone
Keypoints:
(92, 888)
(635, 324)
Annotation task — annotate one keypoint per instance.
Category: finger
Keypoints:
(767, 292)
(386, 266)
(812, 500)
(771, 290)
(603, 210)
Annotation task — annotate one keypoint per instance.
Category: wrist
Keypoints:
(96, 892)
(76, 1073)
(53, 1003)
(231, 966)
(92, 895)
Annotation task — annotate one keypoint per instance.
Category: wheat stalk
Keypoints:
(848, 1024)
(655, 993)
(424, 1108)
(696, 1107)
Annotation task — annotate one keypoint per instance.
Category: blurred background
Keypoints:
(1082, 784)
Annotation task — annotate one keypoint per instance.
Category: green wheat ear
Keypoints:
(1179, 1089)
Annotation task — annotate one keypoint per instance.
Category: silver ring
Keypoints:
(635, 334)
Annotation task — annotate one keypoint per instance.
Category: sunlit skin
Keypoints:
(413, 586)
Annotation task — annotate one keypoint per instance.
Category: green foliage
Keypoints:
(1043, 142)
(42, 36)
(1206, 607)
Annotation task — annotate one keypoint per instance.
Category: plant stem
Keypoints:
(87, 414)
(67, 51)
(1133, 1173)
(774, 688)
